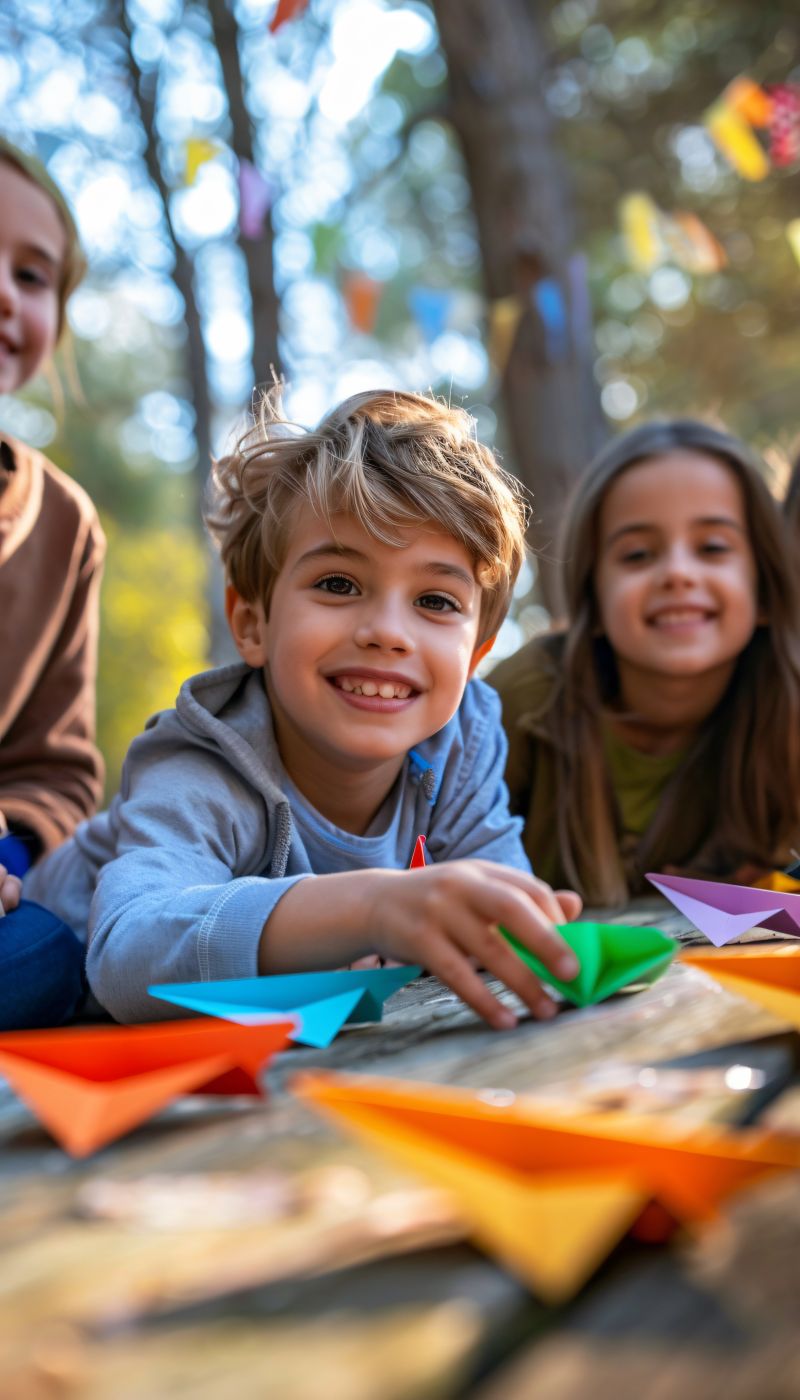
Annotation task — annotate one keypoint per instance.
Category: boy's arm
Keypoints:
(51, 773)
(444, 917)
(182, 901)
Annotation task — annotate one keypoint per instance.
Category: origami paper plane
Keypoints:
(722, 912)
(611, 957)
(321, 1001)
(90, 1084)
(768, 975)
(549, 1194)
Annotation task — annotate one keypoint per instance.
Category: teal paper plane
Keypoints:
(324, 1001)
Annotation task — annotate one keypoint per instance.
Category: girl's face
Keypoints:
(676, 579)
(32, 250)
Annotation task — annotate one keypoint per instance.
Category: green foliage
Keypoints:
(152, 633)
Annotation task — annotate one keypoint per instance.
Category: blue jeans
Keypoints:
(41, 969)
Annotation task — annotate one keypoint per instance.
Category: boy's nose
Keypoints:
(384, 625)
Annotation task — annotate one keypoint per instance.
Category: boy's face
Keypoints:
(367, 647)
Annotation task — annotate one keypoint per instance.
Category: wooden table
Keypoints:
(231, 1250)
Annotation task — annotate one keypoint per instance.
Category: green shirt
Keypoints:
(638, 779)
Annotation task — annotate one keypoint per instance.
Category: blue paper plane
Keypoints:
(323, 1000)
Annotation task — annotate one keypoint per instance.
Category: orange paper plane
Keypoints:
(89, 1085)
(769, 975)
(549, 1195)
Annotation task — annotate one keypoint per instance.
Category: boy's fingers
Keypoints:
(537, 890)
(499, 958)
(571, 905)
(446, 963)
(510, 907)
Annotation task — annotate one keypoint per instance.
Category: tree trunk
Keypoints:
(144, 86)
(257, 252)
(496, 58)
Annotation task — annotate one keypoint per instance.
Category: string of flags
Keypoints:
(653, 237)
(740, 122)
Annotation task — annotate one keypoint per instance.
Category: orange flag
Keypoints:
(768, 975)
(362, 296)
(90, 1084)
(286, 9)
(549, 1194)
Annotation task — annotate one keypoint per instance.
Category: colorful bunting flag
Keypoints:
(750, 101)
(286, 10)
(784, 127)
(197, 150)
(640, 218)
(430, 307)
(255, 198)
(362, 297)
(691, 245)
(734, 137)
(793, 235)
(504, 318)
(551, 306)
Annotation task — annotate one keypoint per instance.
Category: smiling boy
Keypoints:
(266, 824)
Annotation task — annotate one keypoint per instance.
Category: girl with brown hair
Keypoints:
(661, 728)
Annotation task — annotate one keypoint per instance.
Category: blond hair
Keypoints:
(388, 458)
(73, 266)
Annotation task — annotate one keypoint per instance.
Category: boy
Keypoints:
(369, 564)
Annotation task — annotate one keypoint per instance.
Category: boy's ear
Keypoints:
(246, 621)
(479, 653)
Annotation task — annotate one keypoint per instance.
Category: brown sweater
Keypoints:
(51, 555)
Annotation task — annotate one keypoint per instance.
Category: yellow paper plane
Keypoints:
(768, 975)
(549, 1195)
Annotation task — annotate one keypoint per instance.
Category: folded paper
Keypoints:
(321, 1001)
(418, 858)
(549, 1194)
(611, 957)
(769, 976)
(722, 912)
(90, 1084)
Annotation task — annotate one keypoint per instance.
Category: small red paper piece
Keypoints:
(88, 1085)
(286, 9)
(418, 858)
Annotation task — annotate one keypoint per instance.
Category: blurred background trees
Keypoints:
(522, 205)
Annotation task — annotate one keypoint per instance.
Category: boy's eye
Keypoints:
(339, 584)
(438, 602)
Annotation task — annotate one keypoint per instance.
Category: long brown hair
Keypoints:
(752, 739)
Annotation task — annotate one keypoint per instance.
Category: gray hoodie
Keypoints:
(175, 882)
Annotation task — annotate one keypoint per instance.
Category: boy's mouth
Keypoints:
(381, 687)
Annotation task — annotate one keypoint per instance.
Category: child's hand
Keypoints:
(10, 890)
(445, 915)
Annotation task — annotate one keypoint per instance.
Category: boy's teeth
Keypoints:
(387, 690)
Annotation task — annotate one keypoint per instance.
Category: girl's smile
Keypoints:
(676, 581)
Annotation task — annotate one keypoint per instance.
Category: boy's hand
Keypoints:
(445, 915)
(10, 890)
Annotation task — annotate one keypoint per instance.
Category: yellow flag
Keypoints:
(197, 150)
(793, 235)
(640, 218)
(504, 318)
(734, 137)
